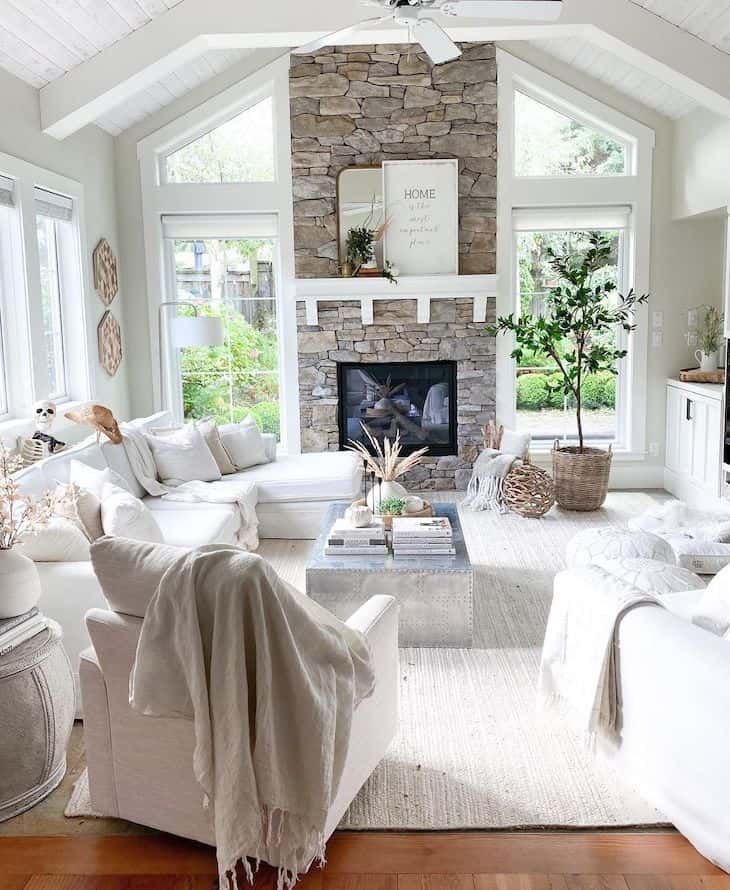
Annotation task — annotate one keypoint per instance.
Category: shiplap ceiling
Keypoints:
(41, 40)
(707, 19)
(616, 73)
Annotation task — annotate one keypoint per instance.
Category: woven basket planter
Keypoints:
(581, 477)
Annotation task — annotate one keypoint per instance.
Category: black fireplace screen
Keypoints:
(416, 398)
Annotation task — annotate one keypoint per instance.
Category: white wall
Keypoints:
(701, 182)
(87, 157)
(686, 263)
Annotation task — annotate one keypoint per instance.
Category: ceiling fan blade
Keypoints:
(435, 41)
(534, 10)
(338, 36)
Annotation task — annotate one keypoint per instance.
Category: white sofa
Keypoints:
(294, 493)
(140, 769)
(674, 695)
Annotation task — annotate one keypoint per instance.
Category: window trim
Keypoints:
(159, 198)
(21, 286)
(632, 189)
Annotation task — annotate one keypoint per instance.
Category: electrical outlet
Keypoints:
(654, 449)
(692, 318)
(657, 320)
(657, 338)
(692, 340)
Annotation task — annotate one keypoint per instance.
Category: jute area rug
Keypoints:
(473, 752)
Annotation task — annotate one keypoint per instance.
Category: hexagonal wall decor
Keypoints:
(110, 343)
(106, 278)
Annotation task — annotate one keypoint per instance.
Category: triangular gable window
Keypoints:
(240, 150)
(549, 143)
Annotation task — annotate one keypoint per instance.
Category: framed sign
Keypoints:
(422, 208)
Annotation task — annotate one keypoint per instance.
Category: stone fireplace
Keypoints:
(396, 336)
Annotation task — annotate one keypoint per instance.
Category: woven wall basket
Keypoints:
(581, 478)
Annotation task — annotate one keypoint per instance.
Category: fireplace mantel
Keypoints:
(421, 288)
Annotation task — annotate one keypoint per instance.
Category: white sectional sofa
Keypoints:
(294, 493)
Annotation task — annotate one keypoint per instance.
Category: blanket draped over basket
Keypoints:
(271, 681)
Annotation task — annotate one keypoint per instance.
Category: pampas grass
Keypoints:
(387, 462)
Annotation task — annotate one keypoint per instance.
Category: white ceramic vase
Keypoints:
(384, 490)
(707, 360)
(20, 585)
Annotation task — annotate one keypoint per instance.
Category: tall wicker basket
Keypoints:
(581, 478)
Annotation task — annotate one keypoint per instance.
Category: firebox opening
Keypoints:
(416, 398)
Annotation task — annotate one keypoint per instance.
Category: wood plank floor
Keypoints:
(377, 861)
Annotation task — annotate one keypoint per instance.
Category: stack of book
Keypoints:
(14, 631)
(346, 539)
(422, 537)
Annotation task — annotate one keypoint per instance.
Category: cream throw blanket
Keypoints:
(485, 487)
(231, 491)
(271, 681)
(579, 671)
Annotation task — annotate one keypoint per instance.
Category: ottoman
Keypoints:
(37, 705)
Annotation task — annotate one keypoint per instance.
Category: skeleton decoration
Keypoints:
(45, 416)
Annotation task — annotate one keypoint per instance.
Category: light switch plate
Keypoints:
(657, 338)
(692, 318)
(692, 339)
(657, 319)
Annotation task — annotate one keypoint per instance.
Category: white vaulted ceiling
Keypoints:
(707, 19)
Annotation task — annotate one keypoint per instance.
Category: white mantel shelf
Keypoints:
(422, 288)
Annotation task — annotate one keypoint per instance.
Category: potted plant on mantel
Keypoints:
(581, 313)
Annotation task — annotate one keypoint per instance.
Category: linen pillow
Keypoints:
(129, 572)
(209, 431)
(93, 480)
(125, 516)
(85, 511)
(60, 541)
(183, 456)
(713, 610)
(244, 443)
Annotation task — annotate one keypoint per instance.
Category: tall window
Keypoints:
(548, 143)
(541, 409)
(240, 150)
(49, 257)
(235, 280)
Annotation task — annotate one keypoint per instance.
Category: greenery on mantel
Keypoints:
(580, 315)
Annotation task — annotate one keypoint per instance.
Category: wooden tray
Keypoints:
(388, 517)
(694, 375)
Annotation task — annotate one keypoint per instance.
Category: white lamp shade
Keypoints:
(196, 330)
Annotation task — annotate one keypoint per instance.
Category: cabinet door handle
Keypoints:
(689, 409)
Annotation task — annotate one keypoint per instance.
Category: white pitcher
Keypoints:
(707, 360)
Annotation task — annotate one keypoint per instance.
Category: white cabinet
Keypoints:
(694, 445)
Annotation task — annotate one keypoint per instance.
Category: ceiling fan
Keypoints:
(414, 14)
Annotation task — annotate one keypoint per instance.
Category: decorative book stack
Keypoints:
(14, 631)
(422, 537)
(346, 539)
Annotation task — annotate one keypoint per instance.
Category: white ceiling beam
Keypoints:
(169, 41)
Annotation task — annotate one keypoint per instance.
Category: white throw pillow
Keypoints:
(60, 541)
(125, 516)
(612, 543)
(244, 443)
(85, 512)
(209, 431)
(713, 610)
(183, 456)
(93, 480)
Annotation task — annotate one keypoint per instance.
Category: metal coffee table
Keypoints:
(436, 596)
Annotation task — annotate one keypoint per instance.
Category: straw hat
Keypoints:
(98, 417)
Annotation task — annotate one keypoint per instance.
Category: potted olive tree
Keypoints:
(581, 313)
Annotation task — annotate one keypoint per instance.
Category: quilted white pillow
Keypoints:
(60, 541)
(183, 456)
(651, 575)
(614, 543)
(244, 443)
(713, 610)
(125, 516)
